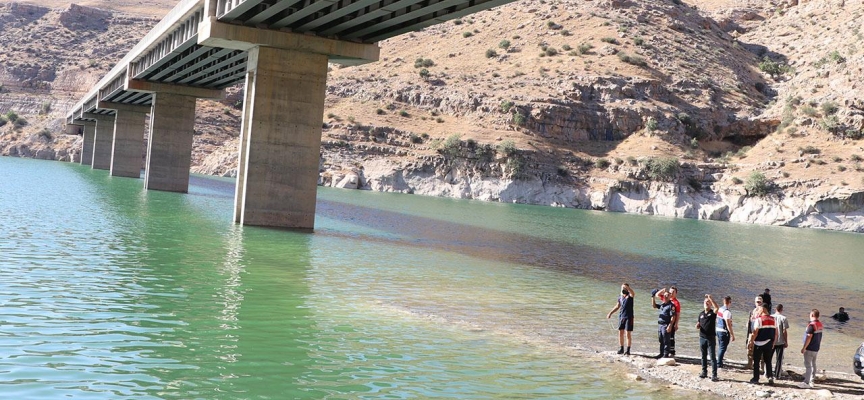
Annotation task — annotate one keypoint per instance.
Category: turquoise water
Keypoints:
(109, 291)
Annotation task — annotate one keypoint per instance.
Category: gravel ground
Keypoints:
(734, 379)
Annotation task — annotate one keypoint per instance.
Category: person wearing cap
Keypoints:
(766, 299)
(625, 317)
(665, 321)
(757, 309)
(762, 341)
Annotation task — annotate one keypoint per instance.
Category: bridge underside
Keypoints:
(280, 49)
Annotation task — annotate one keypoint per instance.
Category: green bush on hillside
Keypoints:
(507, 148)
(758, 185)
(451, 146)
(662, 168)
(773, 68)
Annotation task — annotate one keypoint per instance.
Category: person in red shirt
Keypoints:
(673, 295)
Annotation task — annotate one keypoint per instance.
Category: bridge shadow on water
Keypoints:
(568, 256)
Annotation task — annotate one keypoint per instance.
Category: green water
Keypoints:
(109, 291)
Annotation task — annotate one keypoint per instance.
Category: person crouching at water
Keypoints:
(707, 325)
(665, 321)
(762, 341)
(625, 317)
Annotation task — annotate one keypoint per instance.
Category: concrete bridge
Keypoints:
(281, 49)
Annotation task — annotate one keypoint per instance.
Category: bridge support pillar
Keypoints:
(280, 141)
(103, 141)
(87, 147)
(126, 155)
(169, 148)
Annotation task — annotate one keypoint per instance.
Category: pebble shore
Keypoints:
(734, 379)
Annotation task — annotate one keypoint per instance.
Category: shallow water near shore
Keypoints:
(110, 291)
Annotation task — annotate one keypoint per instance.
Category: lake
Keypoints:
(110, 291)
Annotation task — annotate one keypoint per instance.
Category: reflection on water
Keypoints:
(109, 291)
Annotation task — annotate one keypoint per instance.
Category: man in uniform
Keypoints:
(757, 309)
(812, 342)
(724, 329)
(762, 341)
(665, 321)
(673, 293)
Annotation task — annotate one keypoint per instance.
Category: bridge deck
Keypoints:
(172, 52)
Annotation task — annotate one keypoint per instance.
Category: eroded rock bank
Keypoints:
(835, 209)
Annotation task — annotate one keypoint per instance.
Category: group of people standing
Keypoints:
(766, 332)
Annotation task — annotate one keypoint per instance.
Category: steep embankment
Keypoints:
(654, 107)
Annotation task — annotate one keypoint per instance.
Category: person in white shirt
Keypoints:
(782, 342)
(724, 329)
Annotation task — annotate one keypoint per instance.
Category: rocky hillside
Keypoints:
(736, 110)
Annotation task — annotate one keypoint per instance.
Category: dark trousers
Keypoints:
(722, 342)
(708, 346)
(778, 352)
(670, 351)
(664, 338)
(763, 353)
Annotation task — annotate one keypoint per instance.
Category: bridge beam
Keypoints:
(169, 148)
(280, 140)
(238, 37)
(103, 140)
(129, 131)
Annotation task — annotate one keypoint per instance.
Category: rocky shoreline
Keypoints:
(734, 380)
(836, 208)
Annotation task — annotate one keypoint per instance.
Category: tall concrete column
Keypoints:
(169, 149)
(280, 140)
(129, 130)
(87, 147)
(103, 141)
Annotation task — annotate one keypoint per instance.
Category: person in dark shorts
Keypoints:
(707, 325)
(665, 321)
(624, 306)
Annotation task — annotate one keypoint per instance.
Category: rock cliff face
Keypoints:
(837, 209)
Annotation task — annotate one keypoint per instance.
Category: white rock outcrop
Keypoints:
(835, 210)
